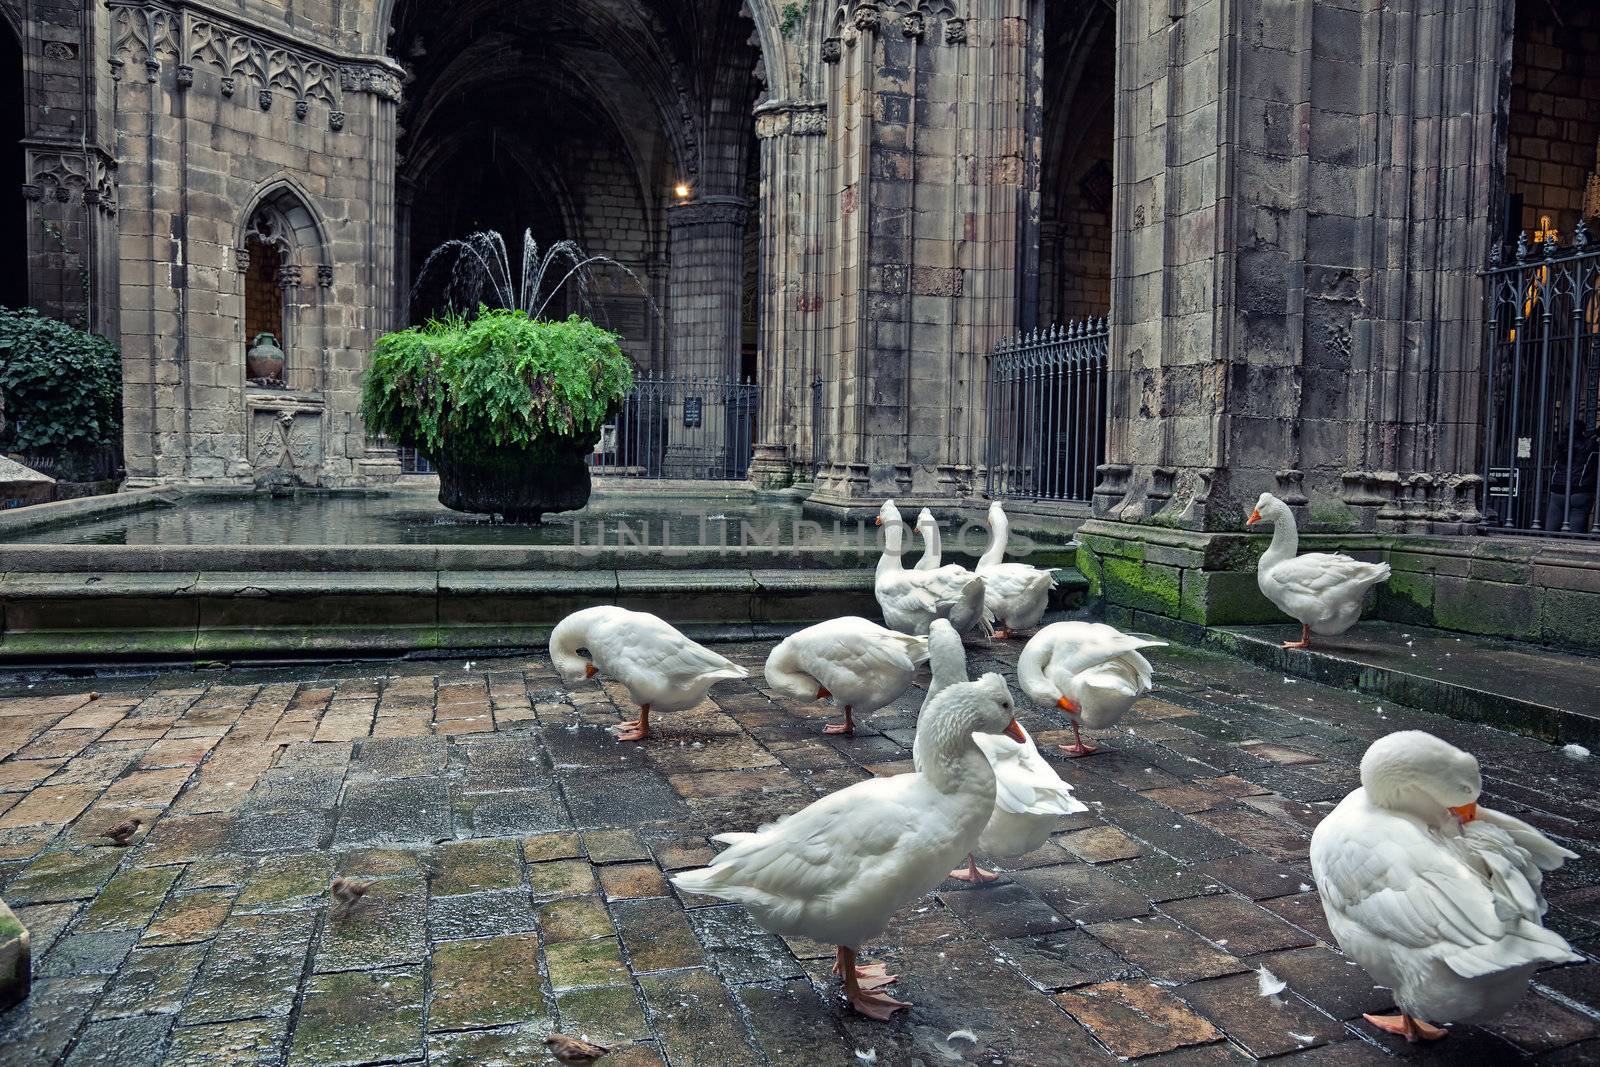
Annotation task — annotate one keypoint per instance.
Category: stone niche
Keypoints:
(285, 441)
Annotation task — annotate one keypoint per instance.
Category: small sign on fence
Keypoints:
(691, 411)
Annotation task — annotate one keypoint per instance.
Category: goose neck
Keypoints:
(892, 548)
(999, 533)
(1285, 538)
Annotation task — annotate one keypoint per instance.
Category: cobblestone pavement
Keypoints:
(519, 859)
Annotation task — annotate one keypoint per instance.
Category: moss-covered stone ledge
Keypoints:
(1527, 589)
(16, 966)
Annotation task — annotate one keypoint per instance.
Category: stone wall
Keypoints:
(1553, 128)
(221, 122)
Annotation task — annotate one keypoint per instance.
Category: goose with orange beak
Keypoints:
(1089, 670)
(1029, 796)
(1323, 591)
(1437, 896)
(662, 669)
(837, 870)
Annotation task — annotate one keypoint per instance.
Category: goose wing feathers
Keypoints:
(1318, 573)
(1025, 784)
(1406, 887)
(813, 852)
(653, 647)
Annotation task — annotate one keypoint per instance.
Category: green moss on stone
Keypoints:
(1406, 597)
(1151, 587)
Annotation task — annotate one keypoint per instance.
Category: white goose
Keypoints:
(1089, 670)
(858, 663)
(662, 669)
(1322, 590)
(1029, 795)
(932, 550)
(1016, 593)
(837, 870)
(910, 600)
(1436, 896)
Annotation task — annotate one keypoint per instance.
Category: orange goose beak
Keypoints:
(1466, 812)
(1068, 705)
(1013, 730)
(1255, 517)
(590, 670)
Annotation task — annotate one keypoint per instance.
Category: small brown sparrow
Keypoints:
(121, 834)
(348, 893)
(572, 1050)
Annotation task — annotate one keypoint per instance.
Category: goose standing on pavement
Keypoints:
(1437, 896)
(661, 668)
(837, 870)
(910, 600)
(1089, 670)
(1017, 594)
(856, 662)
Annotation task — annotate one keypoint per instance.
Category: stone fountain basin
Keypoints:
(63, 602)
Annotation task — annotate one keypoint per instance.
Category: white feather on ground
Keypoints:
(1269, 984)
(1575, 752)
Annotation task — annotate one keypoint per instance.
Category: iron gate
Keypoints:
(1047, 412)
(1542, 388)
(681, 427)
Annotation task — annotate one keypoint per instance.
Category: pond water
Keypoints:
(406, 518)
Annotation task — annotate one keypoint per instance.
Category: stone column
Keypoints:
(791, 146)
(1301, 202)
(931, 194)
(706, 286)
(1294, 296)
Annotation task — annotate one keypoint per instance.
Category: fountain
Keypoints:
(504, 401)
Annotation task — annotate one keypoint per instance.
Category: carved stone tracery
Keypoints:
(154, 34)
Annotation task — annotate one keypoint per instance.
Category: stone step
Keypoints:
(220, 615)
(1548, 693)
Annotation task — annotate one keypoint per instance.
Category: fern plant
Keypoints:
(501, 381)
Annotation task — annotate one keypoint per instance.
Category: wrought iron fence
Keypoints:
(816, 426)
(1047, 412)
(1541, 459)
(681, 427)
(414, 462)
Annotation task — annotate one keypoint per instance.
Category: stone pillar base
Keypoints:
(770, 467)
(16, 959)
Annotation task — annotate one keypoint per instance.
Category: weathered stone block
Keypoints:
(1486, 608)
(1151, 587)
(1224, 598)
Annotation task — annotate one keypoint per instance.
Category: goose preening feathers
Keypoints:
(910, 600)
(1089, 670)
(1435, 895)
(1029, 795)
(861, 665)
(837, 870)
(1322, 590)
(1016, 593)
(661, 668)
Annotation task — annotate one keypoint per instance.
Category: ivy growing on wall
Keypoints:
(793, 12)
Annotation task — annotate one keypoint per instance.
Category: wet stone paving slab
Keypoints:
(518, 861)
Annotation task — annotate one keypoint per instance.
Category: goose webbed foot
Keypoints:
(1305, 639)
(974, 874)
(863, 986)
(847, 728)
(1408, 1027)
(635, 729)
(1077, 748)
